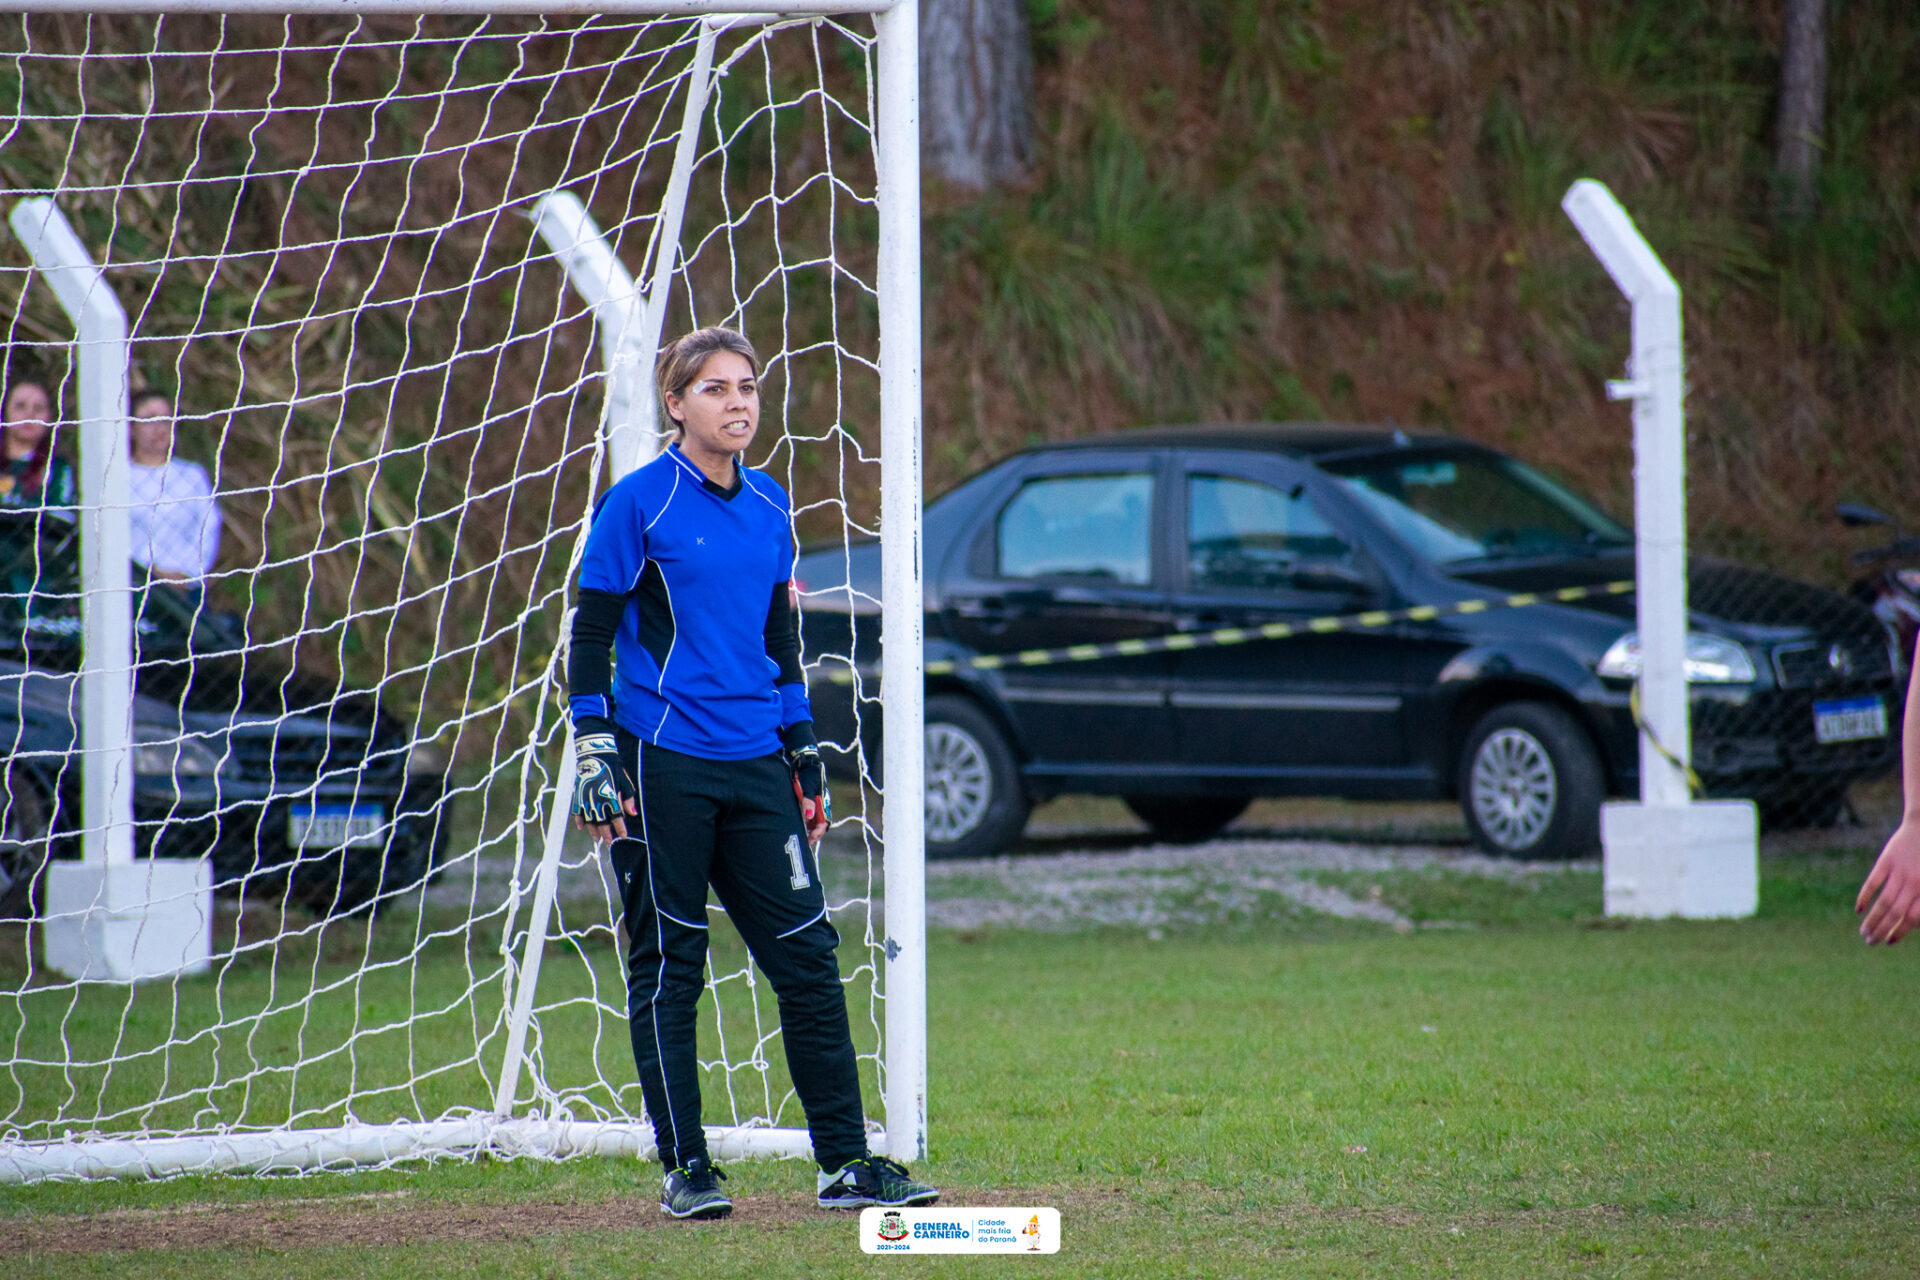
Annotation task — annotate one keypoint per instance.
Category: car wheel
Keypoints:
(1531, 784)
(1187, 819)
(26, 844)
(976, 805)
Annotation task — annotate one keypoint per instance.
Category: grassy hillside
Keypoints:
(1350, 209)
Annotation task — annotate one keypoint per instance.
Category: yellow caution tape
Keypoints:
(1186, 640)
(1695, 787)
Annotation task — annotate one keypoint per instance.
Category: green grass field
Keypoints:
(1534, 1092)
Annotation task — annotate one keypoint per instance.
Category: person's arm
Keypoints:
(783, 633)
(783, 646)
(604, 794)
(60, 490)
(1892, 888)
(799, 745)
(596, 621)
(209, 524)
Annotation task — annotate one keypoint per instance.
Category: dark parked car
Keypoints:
(287, 783)
(1523, 714)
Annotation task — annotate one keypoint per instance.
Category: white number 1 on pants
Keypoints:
(799, 878)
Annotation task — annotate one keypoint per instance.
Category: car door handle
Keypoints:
(1207, 621)
(989, 613)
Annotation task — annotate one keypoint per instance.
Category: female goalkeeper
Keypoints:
(698, 761)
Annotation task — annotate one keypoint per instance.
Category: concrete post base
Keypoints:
(127, 921)
(1699, 860)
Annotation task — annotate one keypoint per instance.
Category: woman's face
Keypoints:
(29, 416)
(721, 408)
(152, 432)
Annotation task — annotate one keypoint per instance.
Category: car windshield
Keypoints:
(1457, 508)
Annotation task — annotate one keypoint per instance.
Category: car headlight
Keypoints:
(160, 750)
(1710, 659)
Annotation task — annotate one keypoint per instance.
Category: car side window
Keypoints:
(1248, 535)
(1097, 527)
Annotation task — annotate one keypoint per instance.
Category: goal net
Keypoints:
(401, 279)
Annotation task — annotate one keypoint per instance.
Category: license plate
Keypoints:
(334, 826)
(1849, 721)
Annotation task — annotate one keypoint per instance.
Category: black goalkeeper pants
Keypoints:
(735, 825)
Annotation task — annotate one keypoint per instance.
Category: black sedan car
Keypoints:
(286, 783)
(1522, 714)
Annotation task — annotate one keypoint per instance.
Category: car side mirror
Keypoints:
(1854, 515)
(1330, 575)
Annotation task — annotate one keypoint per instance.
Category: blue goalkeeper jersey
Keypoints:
(698, 564)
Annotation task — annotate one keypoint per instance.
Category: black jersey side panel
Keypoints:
(656, 614)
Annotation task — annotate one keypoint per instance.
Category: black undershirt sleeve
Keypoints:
(783, 637)
(596, 620)
(783, 646)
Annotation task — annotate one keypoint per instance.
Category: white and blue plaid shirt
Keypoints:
(175, 521)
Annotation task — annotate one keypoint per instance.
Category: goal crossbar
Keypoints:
(408, 8)
(358, 1145)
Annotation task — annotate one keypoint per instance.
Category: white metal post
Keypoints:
(1666, 855)
(902, 691)
(1655, 387)
(596, 274)
(106, 584)
(106, 918)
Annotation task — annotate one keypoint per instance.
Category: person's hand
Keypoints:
(816, 811)
(810, 786)
(602, 789)
(1893, 888)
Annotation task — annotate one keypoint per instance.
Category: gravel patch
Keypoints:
(1162, 886)
(1151, 886)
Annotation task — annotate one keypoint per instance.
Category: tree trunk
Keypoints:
(1803, 97)
(976, 91)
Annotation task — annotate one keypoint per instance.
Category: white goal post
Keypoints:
(1666, 854)
(410, 1019)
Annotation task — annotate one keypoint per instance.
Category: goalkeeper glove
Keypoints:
(802, 755)
(603, 791)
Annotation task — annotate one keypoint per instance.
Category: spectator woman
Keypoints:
(33, 476)
(175, 523)
(34, 483)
